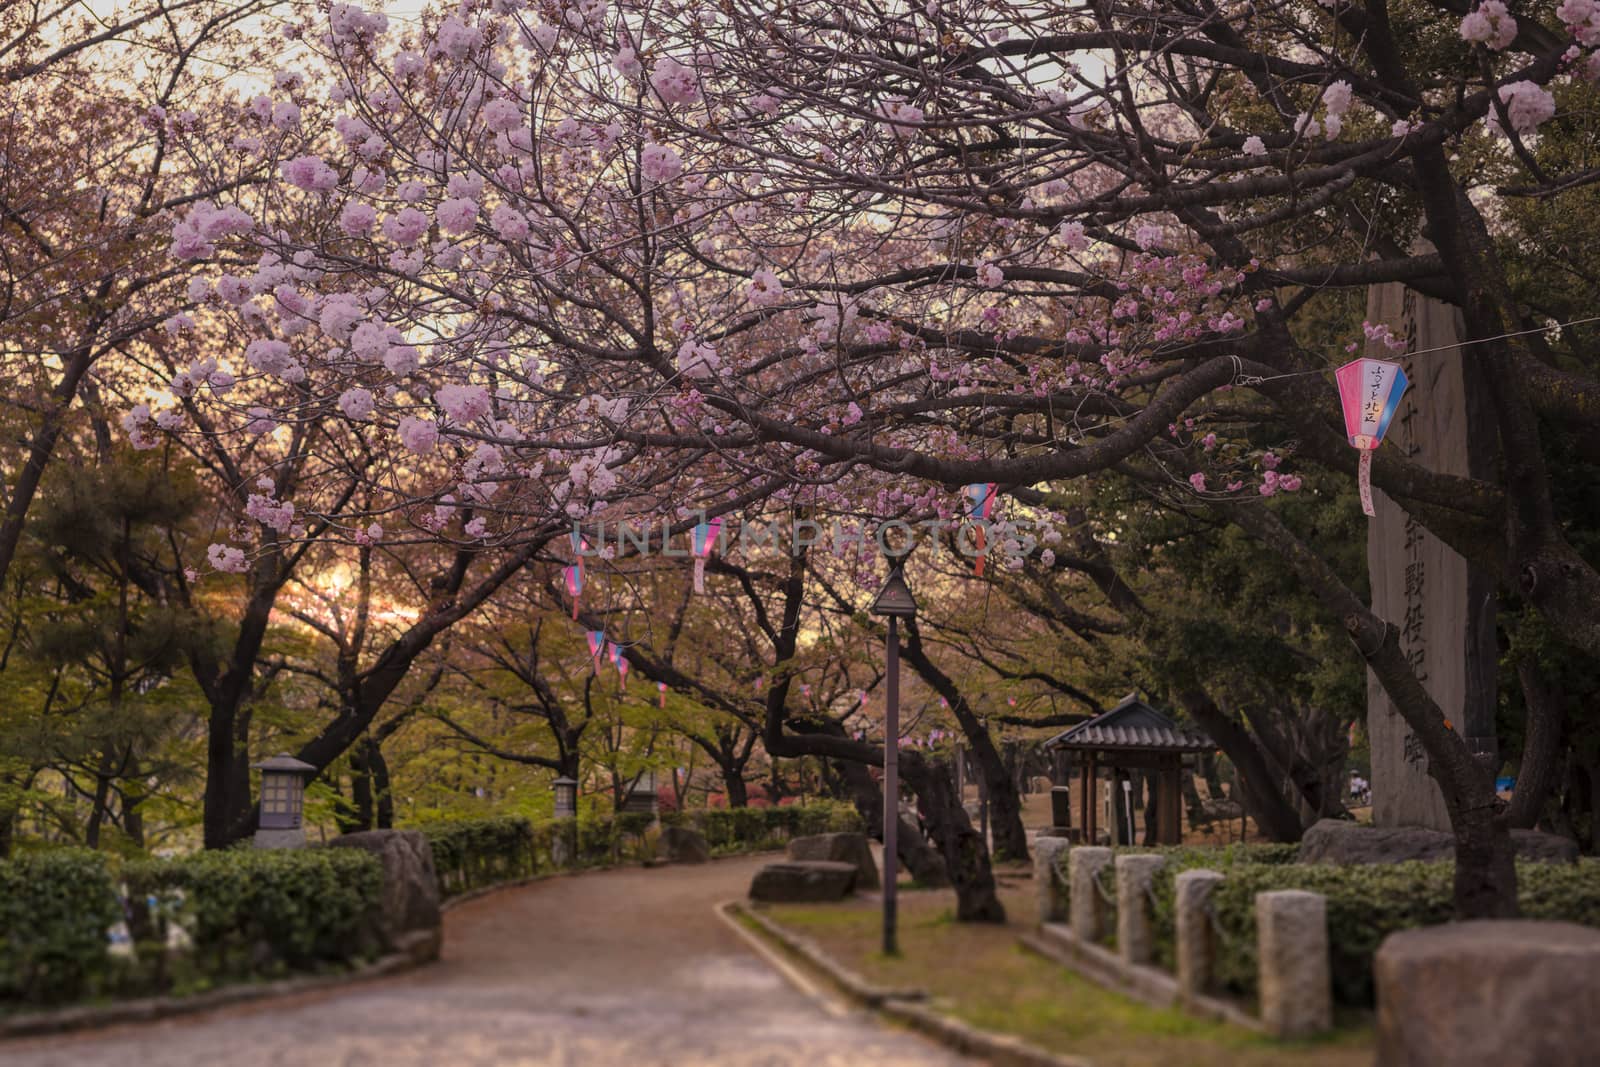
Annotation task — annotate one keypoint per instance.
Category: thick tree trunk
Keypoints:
(734, 784)
(966, 861)
(1275, 817)
(1005, 805)
(1541, 747)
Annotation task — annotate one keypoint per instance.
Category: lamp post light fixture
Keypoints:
(283, 795)
(566, 790)
(895, 601)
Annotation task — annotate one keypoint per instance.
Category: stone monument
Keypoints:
(1445, 609)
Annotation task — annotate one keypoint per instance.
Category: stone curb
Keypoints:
(1142, 982)
(150, 1009)
(903, 1006)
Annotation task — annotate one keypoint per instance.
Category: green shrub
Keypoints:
(55, 909)
(472, 853)
(252, 913)
(1367, 903)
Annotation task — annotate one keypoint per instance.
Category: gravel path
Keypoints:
(626, 967)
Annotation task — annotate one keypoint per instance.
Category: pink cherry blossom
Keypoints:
(990, 275)
(626, 63)
(765, 289)
(309, 173)
(419, 435)
(1490, 25)
(1528, 106)
(457, 215)
(1254, 146)
(356, 403)
(463, 403)
(227, 559)
(1198, 480)
(406, 226)
(659, 164)
(674, 83)
(501, 115)
(357, 219)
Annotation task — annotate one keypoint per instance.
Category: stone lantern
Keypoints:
(566, 790)
(283, 794)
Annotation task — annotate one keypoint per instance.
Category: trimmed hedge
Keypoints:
(1369, 902)
(476, 853)
(55, 908)
(253, 913)
(242, 914)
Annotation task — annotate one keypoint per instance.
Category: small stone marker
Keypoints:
(1197, 938)
(1489, 992)
(1048, 876)
(1084, 864)
(1134, 875)
(1296, 985)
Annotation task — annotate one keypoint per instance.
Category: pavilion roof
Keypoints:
(1131, 725)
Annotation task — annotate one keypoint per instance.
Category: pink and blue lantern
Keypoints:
(661, 692)
(597, 648)
(1370, 392)
(703, 540)
(620, 662)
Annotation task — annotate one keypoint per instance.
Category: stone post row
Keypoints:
(1197, 938)
(1292, 953)
(1088, 910)
(1134, 875)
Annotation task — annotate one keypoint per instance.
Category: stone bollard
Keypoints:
(1489, 992)
(1088, 910)
(1197, 939)
(1134, 875)
(1047, 876)
(1296, 984)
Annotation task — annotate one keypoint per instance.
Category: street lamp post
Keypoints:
(895, 601)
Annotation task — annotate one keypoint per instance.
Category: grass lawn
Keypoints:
(979, 973)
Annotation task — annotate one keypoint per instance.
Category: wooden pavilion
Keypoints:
(1131, 736)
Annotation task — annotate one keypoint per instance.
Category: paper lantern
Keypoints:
(1370, 392)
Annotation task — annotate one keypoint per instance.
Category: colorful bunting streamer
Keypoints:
(620, 662)
(661, 691)
(1369, 392)
(597, 648)
(573, 576)
(704, 539)
(980, 499)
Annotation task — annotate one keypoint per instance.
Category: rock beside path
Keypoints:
(679, 844)
(840, 848)
(803, 882)
(1487, 993)
(410, 919)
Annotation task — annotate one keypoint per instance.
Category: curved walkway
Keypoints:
(627, 967)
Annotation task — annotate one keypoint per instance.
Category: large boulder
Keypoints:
(1488, 993)
(410, 919)
(679, 844)
(840, 848)
(1336, 841)
(807, 882)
